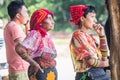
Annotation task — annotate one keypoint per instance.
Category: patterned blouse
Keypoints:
(82, 46)
(39, 46)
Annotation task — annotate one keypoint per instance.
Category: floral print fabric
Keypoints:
(37, 45)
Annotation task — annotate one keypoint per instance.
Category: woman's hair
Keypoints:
(89, 10)
(86, 11)
(14, 7)
(78, 11)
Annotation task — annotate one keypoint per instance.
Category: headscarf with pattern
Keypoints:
(37, 19)
(77, 11)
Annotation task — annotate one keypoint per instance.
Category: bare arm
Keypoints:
(22, 51)
(103, 42)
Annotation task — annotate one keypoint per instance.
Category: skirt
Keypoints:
(92, 74)
(49, 74)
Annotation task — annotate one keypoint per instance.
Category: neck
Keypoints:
(83, 28)
(16, 21)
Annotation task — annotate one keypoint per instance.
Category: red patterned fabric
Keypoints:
(77, 12)
(37, 19)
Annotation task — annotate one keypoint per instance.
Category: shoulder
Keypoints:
(79, 33)
(11, 25)
(34, 33)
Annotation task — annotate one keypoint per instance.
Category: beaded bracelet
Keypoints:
(102, 36)
(95, 63)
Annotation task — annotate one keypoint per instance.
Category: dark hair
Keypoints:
(89, 9)
(15, 7)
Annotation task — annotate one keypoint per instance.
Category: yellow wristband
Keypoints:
(95, 63)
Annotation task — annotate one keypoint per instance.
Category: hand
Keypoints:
(106, 63)
(37, 68)
(27, 27)
(27, 23)
(99, 29)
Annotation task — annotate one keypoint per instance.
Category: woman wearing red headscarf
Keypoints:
(38, 48)
(89, 54)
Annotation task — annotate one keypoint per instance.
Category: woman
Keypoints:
(89, 53)
(37, 48)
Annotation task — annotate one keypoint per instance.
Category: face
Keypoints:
(89, 21)
(23, 15)
(48, 23)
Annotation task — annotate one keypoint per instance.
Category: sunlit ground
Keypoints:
(64, 62)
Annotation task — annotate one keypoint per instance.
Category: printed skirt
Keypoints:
(48, 65)
(49, 74)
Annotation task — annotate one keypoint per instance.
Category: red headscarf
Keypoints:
(77, 12)
(37, 19)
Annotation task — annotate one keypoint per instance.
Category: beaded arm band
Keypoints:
(102, 36)
(95, 63)
(103, 46)
(25, 55)
(99, 63)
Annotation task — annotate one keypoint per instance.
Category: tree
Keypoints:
(114, 10)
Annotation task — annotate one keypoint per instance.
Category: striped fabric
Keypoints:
(82, 46)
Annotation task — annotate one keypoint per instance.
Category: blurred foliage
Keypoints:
(60, 9)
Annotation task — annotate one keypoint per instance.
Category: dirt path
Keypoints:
(64, 63)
